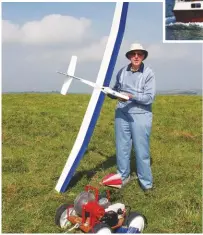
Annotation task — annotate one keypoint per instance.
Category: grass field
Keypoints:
(39, 131)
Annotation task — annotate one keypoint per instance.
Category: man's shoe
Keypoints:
(125, 181)
(148, 191)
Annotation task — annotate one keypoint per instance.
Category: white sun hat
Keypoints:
(135, 47)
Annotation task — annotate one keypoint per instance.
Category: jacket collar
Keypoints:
(141, 68)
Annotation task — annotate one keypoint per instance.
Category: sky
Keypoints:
(39, 38)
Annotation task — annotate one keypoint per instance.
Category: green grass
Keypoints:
(39, 131)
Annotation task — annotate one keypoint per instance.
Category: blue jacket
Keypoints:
(141, 84)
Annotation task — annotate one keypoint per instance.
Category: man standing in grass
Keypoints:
(133, 118)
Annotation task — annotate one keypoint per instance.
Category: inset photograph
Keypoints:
(184, 20)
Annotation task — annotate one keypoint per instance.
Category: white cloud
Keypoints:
(10, 32)
(51, 29)
(168, 51)
(94, 51)
(86, 53)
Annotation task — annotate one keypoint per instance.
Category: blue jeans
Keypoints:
(134, 128)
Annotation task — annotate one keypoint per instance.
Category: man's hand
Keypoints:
(127, 94)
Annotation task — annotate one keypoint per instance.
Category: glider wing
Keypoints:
(97, 98)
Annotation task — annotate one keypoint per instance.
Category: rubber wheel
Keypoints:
(101, 229)
(136, 220)
(61, 216)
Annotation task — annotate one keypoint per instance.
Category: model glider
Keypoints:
(97, 98)
(66, 85)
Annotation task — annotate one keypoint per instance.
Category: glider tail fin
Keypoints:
(71, 72)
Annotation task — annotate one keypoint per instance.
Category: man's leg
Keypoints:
(123, 143)
(141, 129)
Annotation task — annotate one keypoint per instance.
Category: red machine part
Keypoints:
(96, 192)
(96, 212)
(92, 212)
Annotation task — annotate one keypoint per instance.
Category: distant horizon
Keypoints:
(172, 91)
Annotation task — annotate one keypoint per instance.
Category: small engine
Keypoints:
(82, 199)
(92, 212)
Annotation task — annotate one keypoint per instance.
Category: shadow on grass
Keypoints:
(110, 161)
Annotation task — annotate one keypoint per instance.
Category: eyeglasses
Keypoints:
(139, 54)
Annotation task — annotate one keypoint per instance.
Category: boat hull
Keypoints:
(187, 16)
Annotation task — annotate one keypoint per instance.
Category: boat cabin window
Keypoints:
(196, 5)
